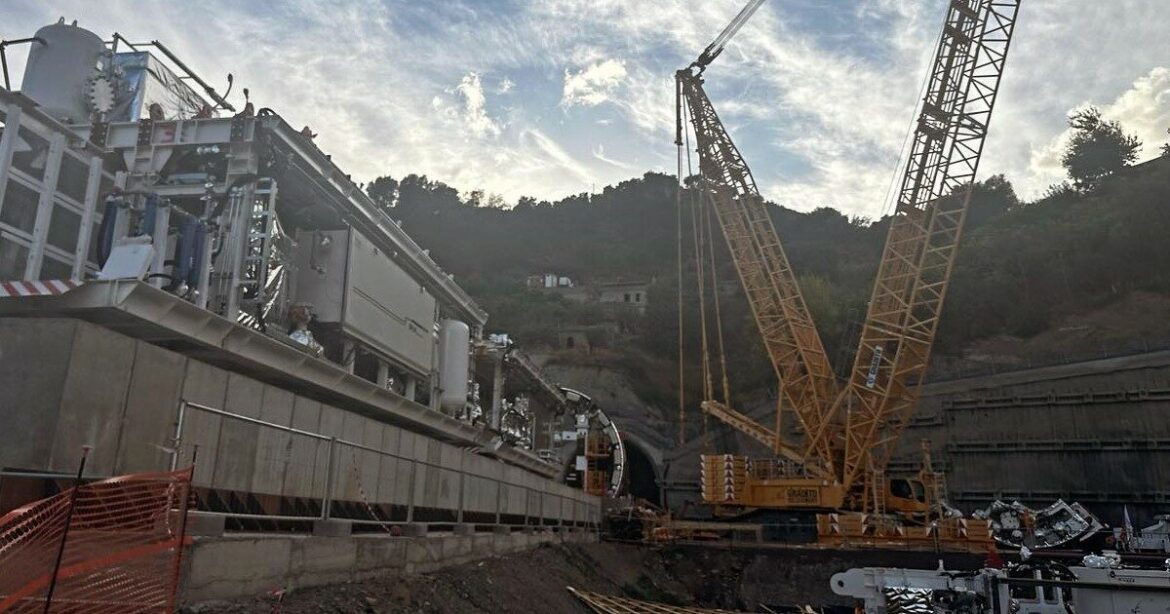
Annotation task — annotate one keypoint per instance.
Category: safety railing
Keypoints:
(334, 471)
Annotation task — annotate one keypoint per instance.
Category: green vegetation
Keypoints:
(1098, 149)
(1021, 265)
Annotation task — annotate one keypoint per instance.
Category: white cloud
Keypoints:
(552, 152)
(592, 85)
(475, 107)
(818, 95)
(599, 153)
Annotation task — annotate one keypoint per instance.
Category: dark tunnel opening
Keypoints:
(641, 482)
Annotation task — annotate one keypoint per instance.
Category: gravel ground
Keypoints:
(533, 581)
(760, 579)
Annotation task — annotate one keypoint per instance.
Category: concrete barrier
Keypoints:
(241, 566)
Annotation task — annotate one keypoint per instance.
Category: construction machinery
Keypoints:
(850, 427)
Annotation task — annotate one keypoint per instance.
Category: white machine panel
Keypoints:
(351, 282)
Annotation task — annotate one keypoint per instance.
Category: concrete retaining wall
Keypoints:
(1097, 432)
(69, 383)
(247, 565)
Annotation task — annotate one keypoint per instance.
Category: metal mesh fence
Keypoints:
(122, 552)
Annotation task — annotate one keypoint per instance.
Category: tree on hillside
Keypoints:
(384, 192)
(1098, 148)
(990, 199)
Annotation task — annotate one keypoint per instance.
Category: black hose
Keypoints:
(218, 249)
(170, 278)
(241, 180)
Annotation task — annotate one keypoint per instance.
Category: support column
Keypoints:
(348, 355)
(40, 233)
(497, 393)
(92, 195)
(159, 235)
(8, 145)
(383, 374)
(409, 387)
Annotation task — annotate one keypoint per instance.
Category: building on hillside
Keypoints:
(621, 293)
(546, 281)
(589, 337)
(575, 339)
(626, 293)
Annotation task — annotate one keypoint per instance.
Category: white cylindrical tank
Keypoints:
(454, 361)
(58, 72)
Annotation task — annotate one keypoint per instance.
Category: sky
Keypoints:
(548, 98)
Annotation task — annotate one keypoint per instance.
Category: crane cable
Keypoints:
(699, 237)
(682, 402)
(703, 235)
(718, 311)
(684, 141)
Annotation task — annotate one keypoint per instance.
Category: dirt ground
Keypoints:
(535, 581)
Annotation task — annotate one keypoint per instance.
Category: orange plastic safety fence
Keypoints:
(122, 552)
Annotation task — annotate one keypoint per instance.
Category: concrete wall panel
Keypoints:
(273, 445)
(349, 458)
(422, 473)
(236, 460)
(308, 456)
(152, 407)
(371, 467)
(450, 457)
(93, 400)
(388, 468)
(447, 493)
(404, 479)
(205, 385)
(34, 360)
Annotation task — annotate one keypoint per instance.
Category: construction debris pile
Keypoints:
(1017, 525)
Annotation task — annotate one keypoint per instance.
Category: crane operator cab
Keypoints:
(906, 496)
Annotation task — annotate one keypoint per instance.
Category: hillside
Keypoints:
(1025, 273)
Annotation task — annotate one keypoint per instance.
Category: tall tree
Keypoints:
(1098, 148)
(990, 199)
(384, 192)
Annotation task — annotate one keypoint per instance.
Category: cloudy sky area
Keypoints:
(554, 97)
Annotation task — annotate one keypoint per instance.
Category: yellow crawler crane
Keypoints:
(849, 430)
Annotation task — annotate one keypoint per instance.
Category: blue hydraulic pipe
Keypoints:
(189, 251)
(149, 215)
(106, 230)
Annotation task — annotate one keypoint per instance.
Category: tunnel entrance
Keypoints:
(642, 481)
